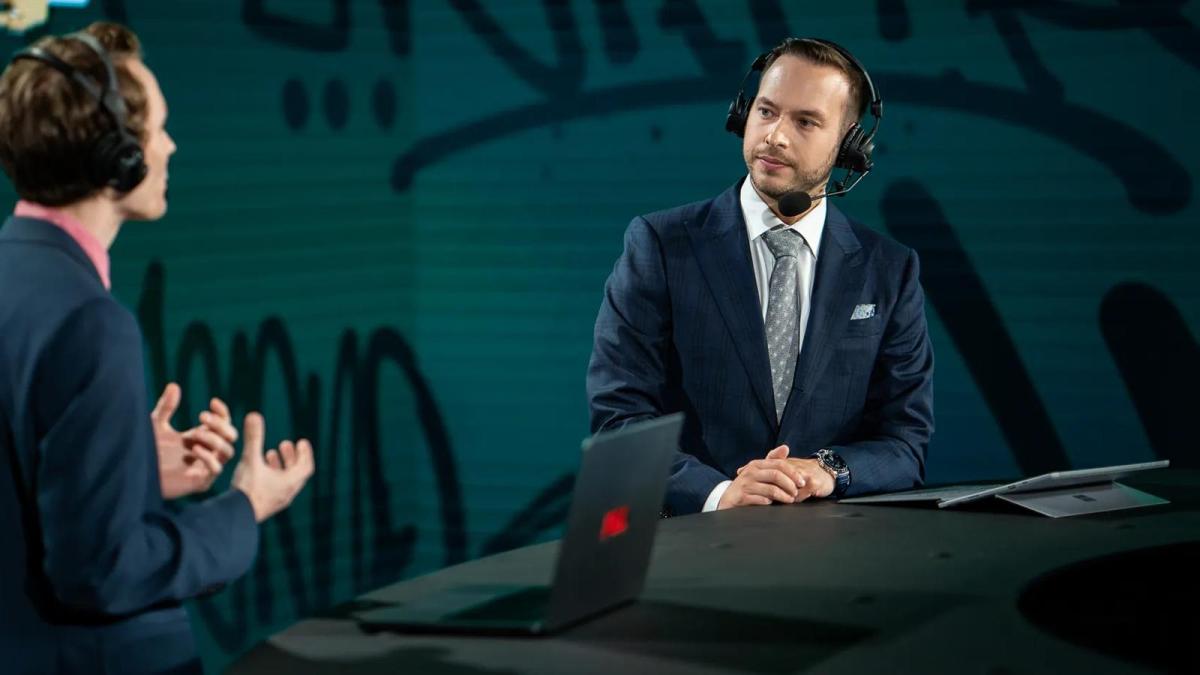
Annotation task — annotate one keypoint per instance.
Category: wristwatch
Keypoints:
(836, 467)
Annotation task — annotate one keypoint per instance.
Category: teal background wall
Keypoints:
(391, 222)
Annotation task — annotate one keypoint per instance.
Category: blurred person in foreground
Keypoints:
(96, 566)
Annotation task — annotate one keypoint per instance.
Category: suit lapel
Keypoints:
(723, 253)
(42, 232)
(839, 280)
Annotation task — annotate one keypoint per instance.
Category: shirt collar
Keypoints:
(96, 252)
(760, 218)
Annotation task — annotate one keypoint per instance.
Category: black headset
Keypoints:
(116, 159)
(854, 153)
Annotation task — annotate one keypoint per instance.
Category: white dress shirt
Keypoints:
(759, 218)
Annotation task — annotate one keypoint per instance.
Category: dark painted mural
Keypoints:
(391, 222)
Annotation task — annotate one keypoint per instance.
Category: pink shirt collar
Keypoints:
(95, 250)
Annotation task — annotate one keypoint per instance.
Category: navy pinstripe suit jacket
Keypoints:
(680, 329)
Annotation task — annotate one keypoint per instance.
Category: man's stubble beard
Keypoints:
(807, 182)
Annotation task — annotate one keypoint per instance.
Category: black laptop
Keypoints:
(603, 557)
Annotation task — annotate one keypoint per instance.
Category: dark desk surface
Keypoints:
(835, 588)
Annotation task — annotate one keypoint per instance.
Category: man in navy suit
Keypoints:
(94, 566)
(797, 345)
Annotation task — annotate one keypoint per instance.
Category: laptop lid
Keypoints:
(619, 491)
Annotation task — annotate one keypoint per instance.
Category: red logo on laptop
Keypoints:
(614, 523)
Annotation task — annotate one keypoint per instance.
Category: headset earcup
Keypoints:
(735, 119)
(846, 152)
(117, 162)
(131, 167)
(866, 148)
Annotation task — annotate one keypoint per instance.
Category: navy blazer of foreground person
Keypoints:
(93, 566)
(680, 329)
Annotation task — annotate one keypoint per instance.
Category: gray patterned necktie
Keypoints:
(783, 312)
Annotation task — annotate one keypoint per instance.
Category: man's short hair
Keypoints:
(49, 124)
(822, 54)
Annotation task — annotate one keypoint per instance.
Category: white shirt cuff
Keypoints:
(714, 497)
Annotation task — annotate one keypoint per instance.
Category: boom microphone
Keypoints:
(793, 204)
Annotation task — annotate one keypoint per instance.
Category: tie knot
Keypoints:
(784, 243)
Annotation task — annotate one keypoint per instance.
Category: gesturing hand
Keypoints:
(273, 480)
(189, 462)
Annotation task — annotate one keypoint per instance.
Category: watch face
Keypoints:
(836, 463)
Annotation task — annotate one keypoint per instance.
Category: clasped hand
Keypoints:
(777, 478)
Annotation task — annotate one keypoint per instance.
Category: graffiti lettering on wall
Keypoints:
(1155, 352)
(1155, 181)
(353, 394)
